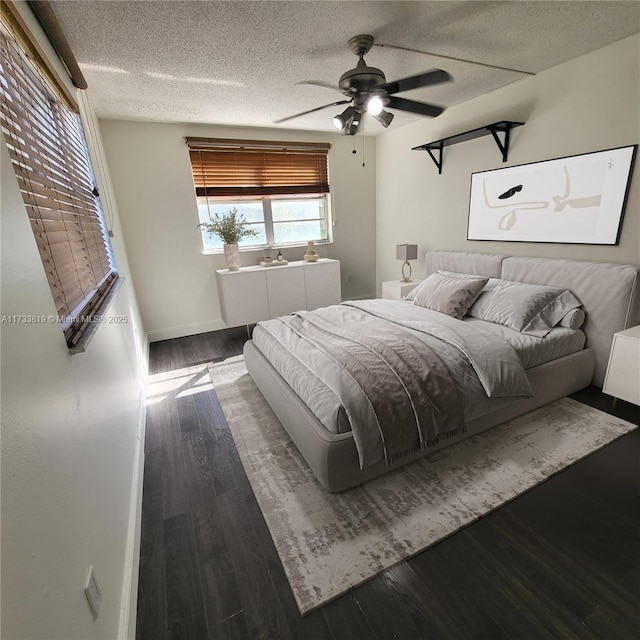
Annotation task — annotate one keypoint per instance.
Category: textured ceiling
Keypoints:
(240, 62)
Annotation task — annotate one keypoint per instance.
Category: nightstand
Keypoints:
(622, 379)
(398, 289)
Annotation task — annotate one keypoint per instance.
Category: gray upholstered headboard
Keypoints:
(610, 293)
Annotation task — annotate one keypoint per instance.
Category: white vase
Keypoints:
(232, 256)
(310, 255)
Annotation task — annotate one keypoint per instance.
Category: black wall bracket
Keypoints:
(434, 149)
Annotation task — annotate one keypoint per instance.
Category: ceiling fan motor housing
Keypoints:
(361, 78)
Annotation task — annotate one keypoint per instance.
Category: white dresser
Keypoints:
(622, 379)
(259, 293)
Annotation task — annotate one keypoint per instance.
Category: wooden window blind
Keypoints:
(231, 168)
(51, 162)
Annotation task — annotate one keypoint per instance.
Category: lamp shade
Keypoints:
(406, 251)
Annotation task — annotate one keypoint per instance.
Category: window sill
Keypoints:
(275, 247)
(100, 318)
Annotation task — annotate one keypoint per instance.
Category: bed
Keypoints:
(557, 361)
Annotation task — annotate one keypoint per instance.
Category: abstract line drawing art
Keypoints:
(579, 199)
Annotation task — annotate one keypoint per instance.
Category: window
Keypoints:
(44, 135)
(281, 189)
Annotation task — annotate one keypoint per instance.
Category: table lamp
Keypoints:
(406, 252)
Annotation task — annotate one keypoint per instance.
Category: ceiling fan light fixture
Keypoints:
(384, 118)
(354, 122)
(375, 105)
(340, 121)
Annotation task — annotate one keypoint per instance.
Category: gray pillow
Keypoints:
(574, 319)
(532, 309)
(456, 274)
(447, 294)
(453, 274)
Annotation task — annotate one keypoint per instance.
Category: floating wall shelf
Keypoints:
(503, 126)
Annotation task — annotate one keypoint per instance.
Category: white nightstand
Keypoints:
(622, 379)
(398, 289)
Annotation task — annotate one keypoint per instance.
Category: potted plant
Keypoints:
(230, 228)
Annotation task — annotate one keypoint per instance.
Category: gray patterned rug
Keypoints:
(330, 543)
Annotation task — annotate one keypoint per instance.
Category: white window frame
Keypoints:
(268, 220)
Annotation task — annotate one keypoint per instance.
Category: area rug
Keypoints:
(330, 543)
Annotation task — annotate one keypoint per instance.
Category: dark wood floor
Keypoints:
(561, 561)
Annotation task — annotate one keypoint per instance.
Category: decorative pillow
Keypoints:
(446, 294)
(453, 274)
(574, 319)
(532, 309)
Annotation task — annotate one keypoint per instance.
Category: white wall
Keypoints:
(588, 104)
(71, 430)
(175, 281)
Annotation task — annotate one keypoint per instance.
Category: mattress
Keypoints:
(326, 405)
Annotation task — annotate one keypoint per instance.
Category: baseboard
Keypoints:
(145, 359)
(185, 330)
(129, 602)
(366, 296)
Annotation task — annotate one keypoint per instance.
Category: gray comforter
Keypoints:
(391, 373)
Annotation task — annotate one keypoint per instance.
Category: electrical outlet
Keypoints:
(93, 593)
(348, 278)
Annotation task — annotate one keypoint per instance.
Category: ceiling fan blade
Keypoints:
(314, 83)
(304, 113)
(412, 106)
(435, 76)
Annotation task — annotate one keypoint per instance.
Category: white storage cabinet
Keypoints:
(260, 293)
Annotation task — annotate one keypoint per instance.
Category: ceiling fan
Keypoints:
(368, 91)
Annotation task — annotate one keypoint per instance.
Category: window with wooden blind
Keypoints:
(46, 142)
(280, 188)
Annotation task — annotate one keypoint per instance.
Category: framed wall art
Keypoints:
(578, 199)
